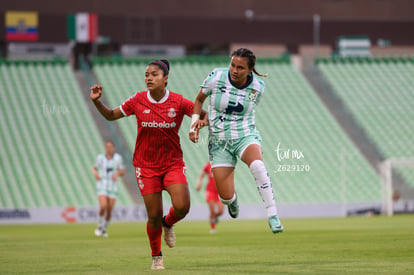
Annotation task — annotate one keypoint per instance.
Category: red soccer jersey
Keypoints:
(211, 185)
(158, 142)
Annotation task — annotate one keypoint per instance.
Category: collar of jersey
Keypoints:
(162, 100)
(248, 82)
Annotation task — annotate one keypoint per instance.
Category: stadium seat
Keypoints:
(380, 95)
(49, 141)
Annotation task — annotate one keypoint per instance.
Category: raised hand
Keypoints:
(96, 92)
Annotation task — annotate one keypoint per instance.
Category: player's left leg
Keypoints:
(224, 177)
(175, 183)
(219, 208)
(102, 211)
(180, 198)
(110, 202)
(252, 156)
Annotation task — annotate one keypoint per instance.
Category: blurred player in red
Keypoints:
(212, 197)
(158, 158)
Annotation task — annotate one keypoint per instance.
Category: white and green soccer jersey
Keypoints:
(106, 169)
(231, 110)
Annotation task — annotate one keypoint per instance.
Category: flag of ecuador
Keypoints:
(21, 26)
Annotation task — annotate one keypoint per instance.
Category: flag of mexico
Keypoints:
(83, 27)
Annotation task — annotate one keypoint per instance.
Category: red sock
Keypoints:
(171, 218)
(154, 236)
(212, 225)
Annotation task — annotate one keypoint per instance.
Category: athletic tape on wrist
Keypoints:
(194, 119)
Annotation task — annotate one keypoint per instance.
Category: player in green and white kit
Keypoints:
(107, 169)
(234, 94)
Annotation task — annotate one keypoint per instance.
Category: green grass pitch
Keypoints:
(357, 245)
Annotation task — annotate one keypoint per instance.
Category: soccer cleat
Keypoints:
(213, 231)
(169, 235)
(233, 209)
(275, 224)
(157, 262)
(98, 232)
(104, 234)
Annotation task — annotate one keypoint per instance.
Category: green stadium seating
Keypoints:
(48, 139)
(290, 114)
(380, 95)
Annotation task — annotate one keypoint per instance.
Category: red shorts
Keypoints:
(154, 180)
(212, 196)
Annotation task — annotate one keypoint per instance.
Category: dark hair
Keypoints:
(163, 64)
(251, 58)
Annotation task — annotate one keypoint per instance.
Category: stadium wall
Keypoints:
(71, 214)
(218, 22)
(297, 9)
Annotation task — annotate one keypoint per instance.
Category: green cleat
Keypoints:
(275, 224)
(233, 209)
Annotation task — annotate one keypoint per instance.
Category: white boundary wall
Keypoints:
(63, 215)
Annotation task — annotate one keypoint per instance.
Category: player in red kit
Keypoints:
(158, 158)
(215, 206)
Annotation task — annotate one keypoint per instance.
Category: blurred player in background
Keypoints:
(107, 169)
(234, 94)
(158, 158)
(212, 197)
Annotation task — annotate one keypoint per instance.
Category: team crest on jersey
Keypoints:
(172, 113)
(253, 95)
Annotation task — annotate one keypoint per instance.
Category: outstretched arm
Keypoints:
(108, 114)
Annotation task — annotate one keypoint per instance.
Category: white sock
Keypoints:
(105, 224)
(101, 221)
(264, 186)
(227, 202)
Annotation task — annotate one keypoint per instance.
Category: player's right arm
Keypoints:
(108, 114)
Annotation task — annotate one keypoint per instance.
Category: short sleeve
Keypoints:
(260, 94)
(127, 108)
(187, 107)
(209, 83)
(257, 91)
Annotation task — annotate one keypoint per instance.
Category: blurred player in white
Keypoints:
(234, 95)
(215, 206)
(107, 169)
